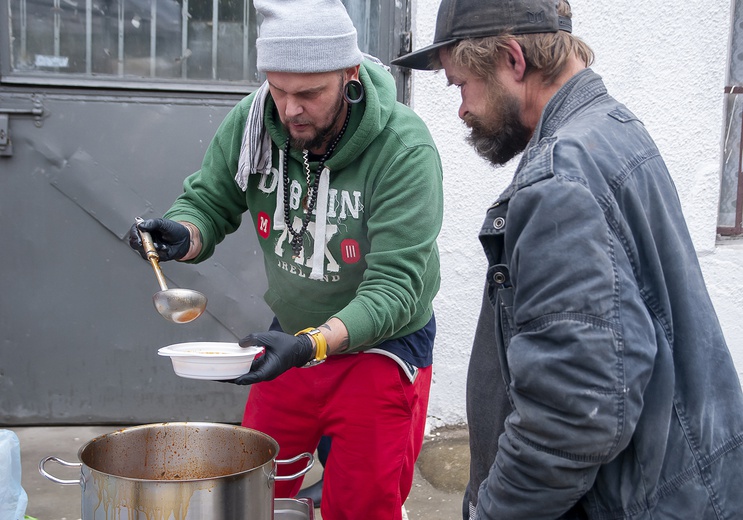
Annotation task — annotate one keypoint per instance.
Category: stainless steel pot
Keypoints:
(183, 471)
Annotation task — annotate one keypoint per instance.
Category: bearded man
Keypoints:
(600, 385)
(344, 187)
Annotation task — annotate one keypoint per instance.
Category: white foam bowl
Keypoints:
(210, 360)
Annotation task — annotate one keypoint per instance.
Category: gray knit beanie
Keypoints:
(305, 36)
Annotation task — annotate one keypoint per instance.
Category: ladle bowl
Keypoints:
(176, 305)
(179, 305)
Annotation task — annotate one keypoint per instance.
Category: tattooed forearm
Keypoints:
(336, 334)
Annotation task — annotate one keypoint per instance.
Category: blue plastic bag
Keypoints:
(13, 498)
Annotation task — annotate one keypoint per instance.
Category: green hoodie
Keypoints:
(380, 270)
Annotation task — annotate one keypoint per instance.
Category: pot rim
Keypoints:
(202, 424)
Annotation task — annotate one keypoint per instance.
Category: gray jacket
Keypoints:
(623, 399)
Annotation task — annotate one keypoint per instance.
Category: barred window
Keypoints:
(180, 44)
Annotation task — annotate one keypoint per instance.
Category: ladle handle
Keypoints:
(152, 256)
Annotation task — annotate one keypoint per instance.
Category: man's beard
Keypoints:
(322, 135)
(500, 135)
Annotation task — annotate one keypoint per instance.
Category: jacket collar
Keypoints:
(576, 93)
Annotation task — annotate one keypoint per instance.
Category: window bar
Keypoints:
(121, 38)
(57, 24)
(246, 39)
(153, 38)
(215, 34)
(184, 40)
(359, 12)
(24, 49)
(88, 37)
(367, 17)
(739, 195)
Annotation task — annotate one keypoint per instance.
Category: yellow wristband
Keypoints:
(321, 344)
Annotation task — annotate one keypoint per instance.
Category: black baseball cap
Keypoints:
(463, 19)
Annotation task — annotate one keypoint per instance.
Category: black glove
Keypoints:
(282, 352)
(172, 240)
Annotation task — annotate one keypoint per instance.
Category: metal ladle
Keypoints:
(177, 305)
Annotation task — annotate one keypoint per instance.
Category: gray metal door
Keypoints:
(104, 109)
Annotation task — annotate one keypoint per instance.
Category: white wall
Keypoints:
(667, 62)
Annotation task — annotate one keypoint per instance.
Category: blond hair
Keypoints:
(545, 53)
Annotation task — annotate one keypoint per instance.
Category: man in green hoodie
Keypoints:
(344, 187)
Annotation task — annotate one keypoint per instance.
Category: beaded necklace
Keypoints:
(297, 240)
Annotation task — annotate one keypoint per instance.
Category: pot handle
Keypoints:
(301, 472)
(63, 463)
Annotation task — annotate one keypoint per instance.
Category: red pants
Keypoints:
(375, 417)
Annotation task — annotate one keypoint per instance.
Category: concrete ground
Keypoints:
(440, 478)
